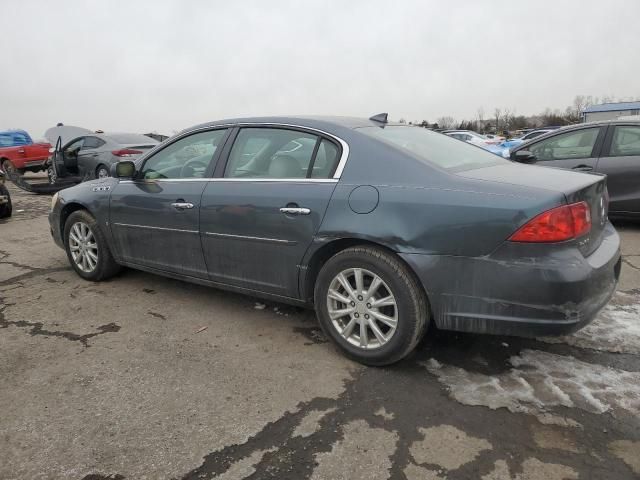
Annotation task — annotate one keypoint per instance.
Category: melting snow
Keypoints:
(539, 380)
(617, 328)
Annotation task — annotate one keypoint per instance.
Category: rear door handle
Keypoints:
(583, 168)
(182, 205)
(295, 211)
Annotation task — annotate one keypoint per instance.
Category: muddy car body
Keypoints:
(383, 228)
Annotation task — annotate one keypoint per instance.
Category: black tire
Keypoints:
(5, 209)
(8, 166)
(104, 168)
(105, 267)
(411, 303)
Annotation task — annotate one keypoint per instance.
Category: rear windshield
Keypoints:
(436, 148)
(132, 138)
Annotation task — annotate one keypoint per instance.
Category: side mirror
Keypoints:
(523, 156)
(124, 169)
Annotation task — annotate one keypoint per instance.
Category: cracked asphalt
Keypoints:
(143, 377)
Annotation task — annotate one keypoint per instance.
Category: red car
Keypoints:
(18, 152)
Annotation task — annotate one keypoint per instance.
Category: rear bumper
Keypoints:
(525, 290)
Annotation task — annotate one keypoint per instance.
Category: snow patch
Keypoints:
(539, 380)
(616, 329)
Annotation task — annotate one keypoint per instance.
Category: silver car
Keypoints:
(84, 155)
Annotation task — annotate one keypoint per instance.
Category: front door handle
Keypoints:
(295, 211)
(583, 168)
(182, 205)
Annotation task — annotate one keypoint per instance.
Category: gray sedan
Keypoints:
(87, 155)
(384, 229)
(611, 148)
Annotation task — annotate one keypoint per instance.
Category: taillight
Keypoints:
(556, 225)
(126, 152)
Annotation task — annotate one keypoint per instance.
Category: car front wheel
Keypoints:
(371, 305)
(87, 248)
(102, 171)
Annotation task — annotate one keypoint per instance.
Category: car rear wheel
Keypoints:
(102, 171)
(8, 166)
(371, 305)
(87, 248)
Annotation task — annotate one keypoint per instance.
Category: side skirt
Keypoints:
(221, 286)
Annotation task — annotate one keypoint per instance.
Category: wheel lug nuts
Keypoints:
(368, 305)
(357, 315)
(366, 316)
(353, 304)
(360, 297)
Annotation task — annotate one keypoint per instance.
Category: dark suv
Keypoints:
(611, 147)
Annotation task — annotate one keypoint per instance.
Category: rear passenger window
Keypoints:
(280, 154)
(326, 160)
(92, 142)
(626, 141)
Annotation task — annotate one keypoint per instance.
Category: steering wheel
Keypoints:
(188, 170)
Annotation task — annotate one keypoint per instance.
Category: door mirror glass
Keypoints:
(523, 156)
(124, 169)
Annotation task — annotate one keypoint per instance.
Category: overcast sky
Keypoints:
(165, 65)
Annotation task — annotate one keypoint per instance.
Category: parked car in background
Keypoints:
(493, 136)
(514, 142)
(84, 154)
(471, 137)
(380, 253)
(5, 197)
(610, 147)
(19, 153)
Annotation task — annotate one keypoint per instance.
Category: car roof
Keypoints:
(14, 130)
(311, 121)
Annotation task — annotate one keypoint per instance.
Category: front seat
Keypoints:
(285, 166)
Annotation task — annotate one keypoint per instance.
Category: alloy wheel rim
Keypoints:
(102, 173)
(83, 247)
(362, 308)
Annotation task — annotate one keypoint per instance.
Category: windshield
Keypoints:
(435, 148)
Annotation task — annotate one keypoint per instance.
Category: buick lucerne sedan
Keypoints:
(385, 229)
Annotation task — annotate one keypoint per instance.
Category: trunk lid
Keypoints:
(576, 187)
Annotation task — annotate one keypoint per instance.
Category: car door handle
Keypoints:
(583, 168)
(182, 205)
(295, 211)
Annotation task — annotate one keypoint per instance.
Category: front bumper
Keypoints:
(54, 226)
(521, 289)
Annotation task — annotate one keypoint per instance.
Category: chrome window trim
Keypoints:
(149, 227)
(336, 176)
(247, 237)
(274, 180)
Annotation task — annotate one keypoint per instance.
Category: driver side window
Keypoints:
(576, 144)
(188, 157)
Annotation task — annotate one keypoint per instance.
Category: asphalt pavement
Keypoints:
(144, 377)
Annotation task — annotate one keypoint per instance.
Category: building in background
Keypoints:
(610, 111)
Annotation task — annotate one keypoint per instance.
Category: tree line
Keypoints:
(505, 119)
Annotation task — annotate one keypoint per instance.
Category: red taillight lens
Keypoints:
(556, 225)
(126, 152)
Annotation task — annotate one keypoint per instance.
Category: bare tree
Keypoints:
(497, 114)
(480, 118)
(446, 122)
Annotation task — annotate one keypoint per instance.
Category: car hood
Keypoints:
(66, 133)
(532, 176)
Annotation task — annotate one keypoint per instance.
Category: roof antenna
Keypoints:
(381, 118)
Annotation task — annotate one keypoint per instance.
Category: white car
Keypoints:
(472, 137)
